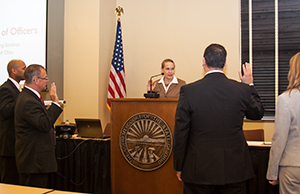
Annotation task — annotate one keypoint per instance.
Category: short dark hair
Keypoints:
(31, 71)
(215, 56)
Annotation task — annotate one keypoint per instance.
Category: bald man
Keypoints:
(9, 91)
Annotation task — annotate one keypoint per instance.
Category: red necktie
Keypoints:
(42, 100)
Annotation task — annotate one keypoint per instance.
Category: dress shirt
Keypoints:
(38, 94)
(174, 80)
(214, 71)
(219, 71)
(15, 83)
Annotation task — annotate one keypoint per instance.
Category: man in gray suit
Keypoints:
(35, 151)
(9, 91)
(210, 150)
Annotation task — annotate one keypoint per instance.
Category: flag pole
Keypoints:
(116, 83)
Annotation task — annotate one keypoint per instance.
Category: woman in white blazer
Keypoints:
(284, 162)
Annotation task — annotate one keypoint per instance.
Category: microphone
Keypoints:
(156, 75)
(151, 80)
(150, 93)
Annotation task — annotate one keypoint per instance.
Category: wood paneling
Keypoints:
(127, 179)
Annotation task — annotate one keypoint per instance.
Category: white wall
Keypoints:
(152, 31)
(81, 59)
(108, 21)
(89, 37)
(158, 29)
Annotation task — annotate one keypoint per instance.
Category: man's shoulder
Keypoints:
(6, 84)
(8, 88)
(26, 94)
(206, 82)
(186, 88)
(238, 84)
(194, 84)
(26, 98)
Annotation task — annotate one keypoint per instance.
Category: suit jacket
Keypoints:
(286, 138)
(8, 94)
(173, 91)
(35, 151)
(209, 144)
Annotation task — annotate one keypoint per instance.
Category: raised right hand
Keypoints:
(153, 85)
(53, 94)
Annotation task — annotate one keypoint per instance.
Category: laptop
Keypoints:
(89, 128)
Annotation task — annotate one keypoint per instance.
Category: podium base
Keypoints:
(151, 95)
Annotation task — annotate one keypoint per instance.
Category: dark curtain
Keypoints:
(83, 166)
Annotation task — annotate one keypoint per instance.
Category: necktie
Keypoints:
(42, 100)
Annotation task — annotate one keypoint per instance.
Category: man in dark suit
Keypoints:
(9, 91)
(35, 151)
(210, 150)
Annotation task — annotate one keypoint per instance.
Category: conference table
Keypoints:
(9, 188)
(84, 166)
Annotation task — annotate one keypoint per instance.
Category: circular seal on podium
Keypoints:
(146, 141)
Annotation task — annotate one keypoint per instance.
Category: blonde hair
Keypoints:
(165, 61)
(294, 73)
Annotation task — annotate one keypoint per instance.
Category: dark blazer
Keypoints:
(8, 94)
(209, 144)
(34, 134)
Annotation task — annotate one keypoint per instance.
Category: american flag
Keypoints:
(116, 85)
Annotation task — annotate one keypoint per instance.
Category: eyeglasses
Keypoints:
(43, 78)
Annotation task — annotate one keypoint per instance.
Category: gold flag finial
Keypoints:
(119, 10)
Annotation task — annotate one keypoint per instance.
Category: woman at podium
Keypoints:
(169, 85)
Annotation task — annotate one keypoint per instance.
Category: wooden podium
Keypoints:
(127, 179)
